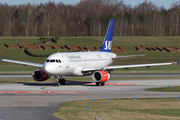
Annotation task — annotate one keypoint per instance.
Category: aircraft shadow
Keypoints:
(68, 83)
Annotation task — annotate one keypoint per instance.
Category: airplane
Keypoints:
(95, 63)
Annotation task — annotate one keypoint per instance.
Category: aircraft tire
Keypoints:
(102, 84)
(97, 84)
(63, 81)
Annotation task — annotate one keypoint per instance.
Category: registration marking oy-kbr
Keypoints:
(37, 92)
(114, 84)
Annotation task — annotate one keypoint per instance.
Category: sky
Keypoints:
(159, 3)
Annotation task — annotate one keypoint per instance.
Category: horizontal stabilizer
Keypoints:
(128, 56)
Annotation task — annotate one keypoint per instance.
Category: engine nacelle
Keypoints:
(101, 76)
(40, 75)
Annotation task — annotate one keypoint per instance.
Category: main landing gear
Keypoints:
(102, 84)
(59, 81)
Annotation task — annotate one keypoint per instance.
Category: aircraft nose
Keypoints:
(47, 68)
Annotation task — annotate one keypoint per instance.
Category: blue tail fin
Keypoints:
(107, 45)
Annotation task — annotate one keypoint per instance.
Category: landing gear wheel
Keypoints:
(63, 82)
(102, 84)
(97, 84)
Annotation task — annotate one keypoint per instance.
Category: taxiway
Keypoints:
(38, 101)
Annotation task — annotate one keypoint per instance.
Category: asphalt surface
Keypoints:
(113, 75)
(43, 99)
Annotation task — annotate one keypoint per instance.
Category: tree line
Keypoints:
(89, 18)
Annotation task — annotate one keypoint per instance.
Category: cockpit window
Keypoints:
(58, 61)
(52, 60)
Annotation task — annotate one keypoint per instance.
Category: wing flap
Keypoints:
(127, 66)
(139, 65)
(23, 63)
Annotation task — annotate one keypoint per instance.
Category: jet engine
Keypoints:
(40, 75)
(101, 76)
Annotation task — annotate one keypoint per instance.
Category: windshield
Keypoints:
(47, 60)
(53, 60)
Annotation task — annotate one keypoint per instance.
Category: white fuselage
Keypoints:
(72, 63)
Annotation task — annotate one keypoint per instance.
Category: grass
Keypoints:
(128, 43)
(124, 109)
(166, 89)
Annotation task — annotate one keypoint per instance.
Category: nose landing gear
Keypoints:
(59, 81)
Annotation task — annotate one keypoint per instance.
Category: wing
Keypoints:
(127, 66)
(23, 63)
(128, 56)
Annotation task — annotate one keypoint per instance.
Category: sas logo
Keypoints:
(108, 45)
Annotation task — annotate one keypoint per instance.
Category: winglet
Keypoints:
(2, 58)
(178, 62)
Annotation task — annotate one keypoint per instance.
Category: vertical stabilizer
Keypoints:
(107, 45)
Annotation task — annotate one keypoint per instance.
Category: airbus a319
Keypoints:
(82, 63)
